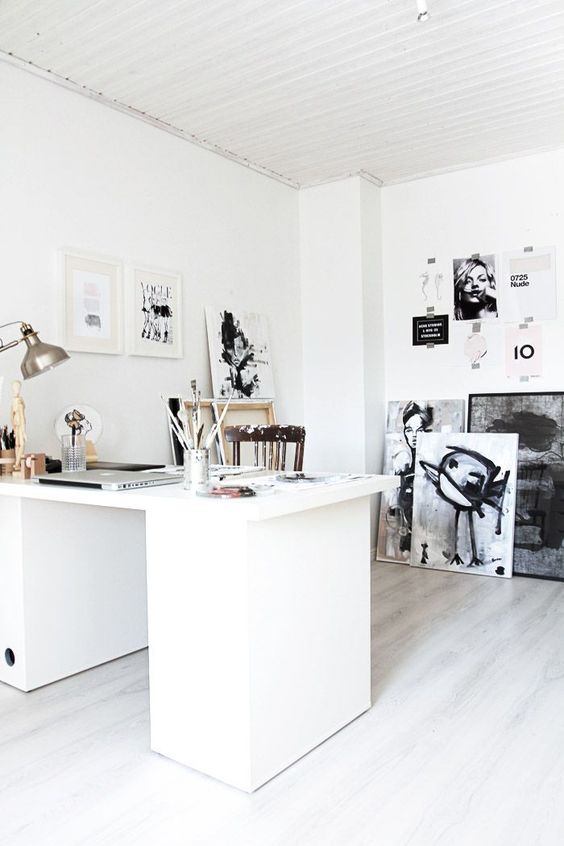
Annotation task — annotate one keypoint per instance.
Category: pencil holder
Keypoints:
(73, 453)
(196, 468)
(7, 461)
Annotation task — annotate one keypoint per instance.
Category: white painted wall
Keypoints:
(342, 325)
(484, 209)
(330, 236)
(75, 173)
(373, 315)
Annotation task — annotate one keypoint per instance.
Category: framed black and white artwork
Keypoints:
(406, 420)
(239, 348)
(155, 302)
(538, 420)
(464, 503)
(92, 303)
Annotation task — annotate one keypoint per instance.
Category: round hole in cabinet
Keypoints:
(10, 657)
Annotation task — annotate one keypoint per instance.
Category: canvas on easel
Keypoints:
(243, 413)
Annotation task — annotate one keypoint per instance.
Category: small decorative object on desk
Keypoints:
(223, 492)
(83, 419)
(73, 453)
(33, 464)
(73, 445)
(18, 423)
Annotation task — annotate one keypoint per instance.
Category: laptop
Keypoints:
(108, 480)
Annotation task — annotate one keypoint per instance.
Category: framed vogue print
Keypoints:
(156, 302)
(92, 299)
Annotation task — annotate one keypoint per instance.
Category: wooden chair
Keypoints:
(274, 440)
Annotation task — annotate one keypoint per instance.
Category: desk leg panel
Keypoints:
(198, 639)
(12, 631)
(79, 578)
(309, 630)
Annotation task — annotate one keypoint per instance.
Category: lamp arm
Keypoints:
(13, 323)
(11, 344)
(4, 346)
(25, 329)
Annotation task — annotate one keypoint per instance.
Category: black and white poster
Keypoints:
(430, 330)
(475, 288)
(523, 351)
(529, 285)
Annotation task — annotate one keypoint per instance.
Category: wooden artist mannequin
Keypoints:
(18, 422)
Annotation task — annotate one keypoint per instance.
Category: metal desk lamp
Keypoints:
(39, 357)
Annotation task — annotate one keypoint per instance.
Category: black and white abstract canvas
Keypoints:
(464, 503)
(405, 421)
(239, 350)
(538, 419)
(157, 309)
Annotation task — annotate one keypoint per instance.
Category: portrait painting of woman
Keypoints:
(407, 420)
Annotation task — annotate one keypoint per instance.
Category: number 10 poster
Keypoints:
(529, 285)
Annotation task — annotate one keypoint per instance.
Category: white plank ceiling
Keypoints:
(312, 90)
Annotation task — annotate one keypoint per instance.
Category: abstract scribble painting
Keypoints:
(538, 419)
(239, 350)
(406, 420)
(464, 503)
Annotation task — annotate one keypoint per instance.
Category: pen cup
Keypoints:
(73, 453)
(7, 461)
(196, 468)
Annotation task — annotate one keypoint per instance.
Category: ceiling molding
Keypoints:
(363, 174)
(84, 91)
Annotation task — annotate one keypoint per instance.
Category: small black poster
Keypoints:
(430, 330)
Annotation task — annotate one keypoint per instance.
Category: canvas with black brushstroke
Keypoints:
(406, 419)
(538, 419)
(239, 350)
(464, 503)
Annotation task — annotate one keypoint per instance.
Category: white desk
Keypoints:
(258, 610)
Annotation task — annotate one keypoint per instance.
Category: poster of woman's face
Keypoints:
(475, 295)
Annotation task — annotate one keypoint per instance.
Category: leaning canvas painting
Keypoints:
(239, 349)
(464, 503)
(538, 419)
(406, 420)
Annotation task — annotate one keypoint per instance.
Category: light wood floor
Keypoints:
(464, 743)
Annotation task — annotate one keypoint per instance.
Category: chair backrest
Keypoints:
(270, 444)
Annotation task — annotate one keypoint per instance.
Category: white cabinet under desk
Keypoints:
(258, 610)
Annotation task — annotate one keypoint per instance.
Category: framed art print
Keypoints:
(156, 303)
(92, 295)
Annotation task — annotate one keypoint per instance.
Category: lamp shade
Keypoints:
(40, 357)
